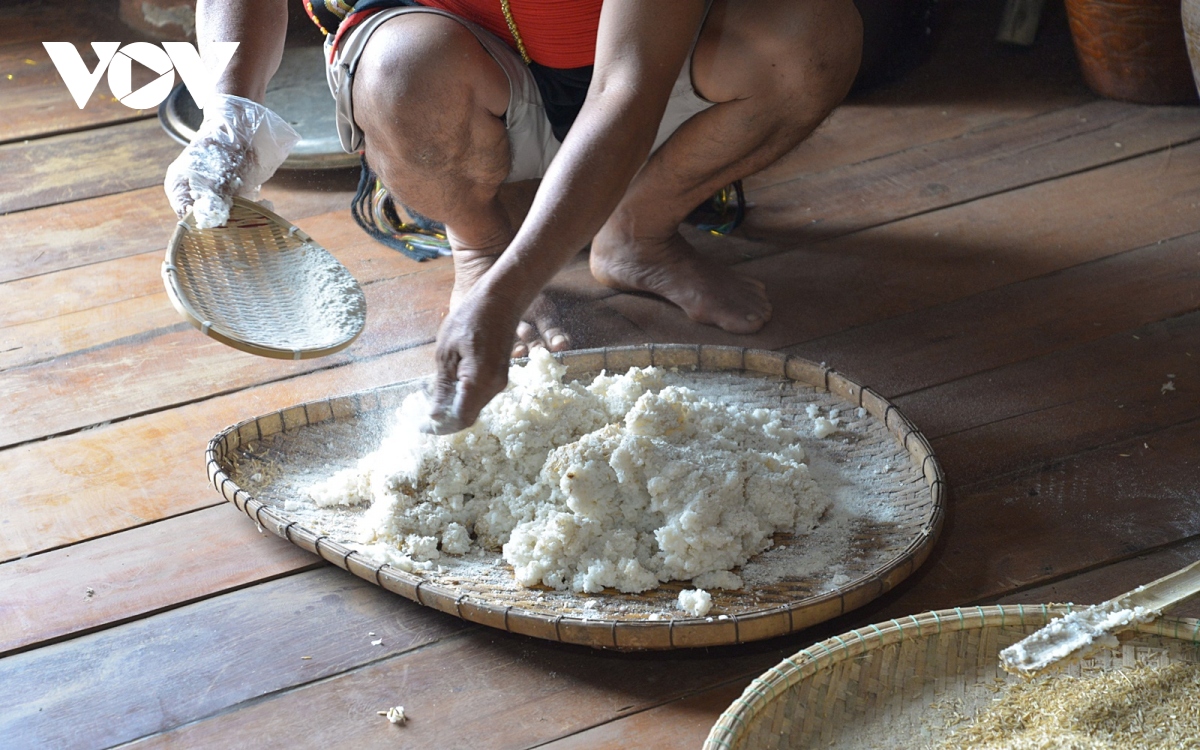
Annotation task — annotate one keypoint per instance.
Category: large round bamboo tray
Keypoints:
(880, 686)
(240, 456)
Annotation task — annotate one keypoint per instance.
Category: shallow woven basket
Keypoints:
(261, 285)
(875, 686)
(738, 617)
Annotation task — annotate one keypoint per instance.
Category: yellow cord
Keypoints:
(512, 28)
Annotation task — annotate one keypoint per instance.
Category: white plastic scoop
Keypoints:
(1085, 631)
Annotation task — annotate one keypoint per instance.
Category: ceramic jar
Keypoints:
(1133, 50)
(1191, 32)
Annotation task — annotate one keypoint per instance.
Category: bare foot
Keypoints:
(539, 325)
(707, 291)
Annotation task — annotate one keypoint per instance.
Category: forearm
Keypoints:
(606, 147)
(640, 48)
(259, 27)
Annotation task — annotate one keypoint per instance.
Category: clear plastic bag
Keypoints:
(237, 148)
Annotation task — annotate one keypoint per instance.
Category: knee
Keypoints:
(824, 55)
(423, 90)
(799, 55)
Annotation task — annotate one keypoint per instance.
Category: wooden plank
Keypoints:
(51, 296)
(203, 658)
(109, 301)
(36, 101)
(683, 723)
(144, 570)
(24, 29)
(929, 175)
(1113, 580)
(72, 332)
(43, 340)
(131, 376)
(482, 690)
(178, 364)
(140, 470)
(48, 296)
(968, 84)
(86, 164)
(975, 165)
(115, 226)
(1042, 525)
(1063, 403)
(1011, 323)
(831, 286)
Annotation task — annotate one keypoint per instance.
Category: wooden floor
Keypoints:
(1011, 260)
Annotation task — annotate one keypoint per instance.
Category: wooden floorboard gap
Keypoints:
(114, 532)
(1088, 569)
(1046, 465)
(79, 129)
(973, 199)
(268, 696)
(216, 394)
(918, 147)
(66, 637)
(999, 289)
(689, 694)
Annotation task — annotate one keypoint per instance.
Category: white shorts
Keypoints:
(530, 136)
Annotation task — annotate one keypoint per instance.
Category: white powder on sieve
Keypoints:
(623, 483)
(329, 305)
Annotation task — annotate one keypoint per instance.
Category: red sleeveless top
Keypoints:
(556, 33)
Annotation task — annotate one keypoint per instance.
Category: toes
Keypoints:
(744, 315)
(526, 335)
(526, 339)
(754, 286)
(556, 339)
(544, 316)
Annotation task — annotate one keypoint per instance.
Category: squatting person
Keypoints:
(632, 113)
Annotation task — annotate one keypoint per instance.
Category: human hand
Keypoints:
(238, 147)
(472, 358)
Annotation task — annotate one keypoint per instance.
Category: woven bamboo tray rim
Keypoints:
(182, 301)
(773, 685)
(770, 621)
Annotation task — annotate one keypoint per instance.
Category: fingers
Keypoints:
(179, 194)
(205, 177)
(472, 395)
(464, 385)
(443, 412)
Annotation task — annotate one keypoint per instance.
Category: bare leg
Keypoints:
(776, 68)
(429, 100)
